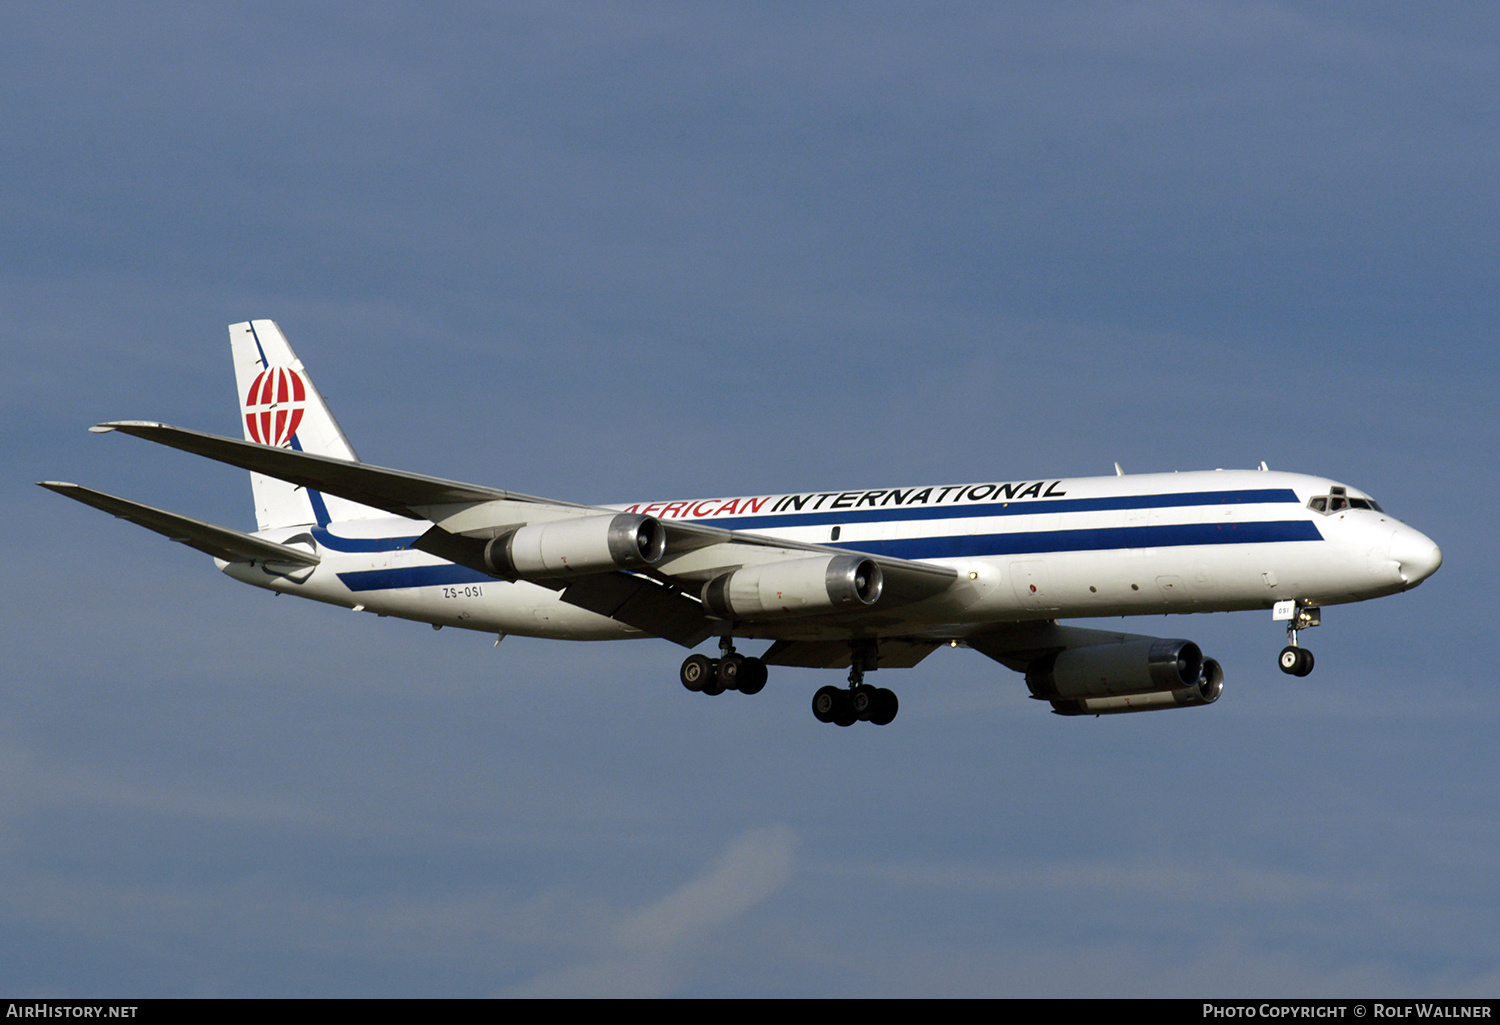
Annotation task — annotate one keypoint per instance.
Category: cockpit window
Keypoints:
(1338, 500)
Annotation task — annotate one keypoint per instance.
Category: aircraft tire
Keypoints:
(695, 670)
(712, 684)
(1290, 660)
(1307, 662)
(862, 701)
(752, 676)
(731, 670)
(884, 708)
(843, 710)
(825, 703)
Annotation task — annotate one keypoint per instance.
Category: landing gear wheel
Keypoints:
(883, 709)
(1296, 661)
(713, 683)
(752, 676)
(843, 710)
(731, 669)
(695, 670)
(825, 702)
(862, 701)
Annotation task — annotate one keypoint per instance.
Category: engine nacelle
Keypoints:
(587, 544)
(794, 587)
(1137, 675)
(1206, 692)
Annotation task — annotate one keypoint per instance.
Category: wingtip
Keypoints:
(56, 485)
(122, 425)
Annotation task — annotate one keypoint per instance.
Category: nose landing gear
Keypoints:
(1294, 660)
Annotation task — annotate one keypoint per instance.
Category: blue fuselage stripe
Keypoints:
(413, 576)
(335, 543)
(1045, 542)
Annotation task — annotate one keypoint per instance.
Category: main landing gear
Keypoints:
(845, 707)
(1294, 660)
(730, 671)
(859, 702)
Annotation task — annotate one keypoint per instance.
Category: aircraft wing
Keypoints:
(1018, 645)
(220, 542)
(894, 653)
(465, 517)
(394, 491)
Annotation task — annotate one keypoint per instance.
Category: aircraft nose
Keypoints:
(1415, 553)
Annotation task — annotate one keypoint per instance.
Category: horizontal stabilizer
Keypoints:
(220, 542)
(394, 491)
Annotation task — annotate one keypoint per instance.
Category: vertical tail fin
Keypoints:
(280, 406)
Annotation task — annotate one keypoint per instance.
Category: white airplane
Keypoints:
(862, 579)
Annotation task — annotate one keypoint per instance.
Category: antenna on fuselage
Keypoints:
(1119, 472)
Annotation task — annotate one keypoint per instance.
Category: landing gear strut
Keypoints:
(859, 702)
(1294, 660)
(730, 671)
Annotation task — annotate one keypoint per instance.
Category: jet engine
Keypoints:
(587, 544)
(1137, 675)
(794, 587)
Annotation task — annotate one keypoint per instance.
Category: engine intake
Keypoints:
(794, 587)
(588, 544)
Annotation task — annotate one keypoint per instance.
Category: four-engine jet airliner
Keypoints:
(861, 579)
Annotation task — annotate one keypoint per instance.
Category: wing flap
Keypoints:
(893, 653)
(1016, 645)
(644, 604)
(220, 542)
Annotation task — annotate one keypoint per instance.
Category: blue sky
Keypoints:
(610, 253)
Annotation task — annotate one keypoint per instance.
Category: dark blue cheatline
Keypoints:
(1046, 542)
(335, 543)
(413, 576)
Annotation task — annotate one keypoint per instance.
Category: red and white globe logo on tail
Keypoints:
(273, 408)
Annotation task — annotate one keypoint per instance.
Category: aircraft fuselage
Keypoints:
(1050, 549)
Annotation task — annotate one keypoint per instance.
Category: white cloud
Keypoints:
(647, 951)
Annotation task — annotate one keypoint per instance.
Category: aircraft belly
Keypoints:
(498, 606)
